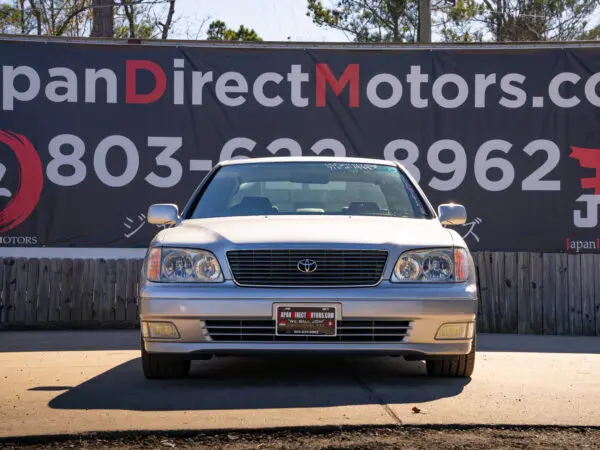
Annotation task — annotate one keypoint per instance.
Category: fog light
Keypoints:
(161, 330)
(452, 331)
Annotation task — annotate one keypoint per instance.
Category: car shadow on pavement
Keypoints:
(257, 383)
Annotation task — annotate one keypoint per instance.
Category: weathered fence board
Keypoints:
(523, 301)
(87, 289)
(587, 295)
(522, 292)
(20, 290)
(536, 314)
(78, 292)
(31, 297)
(109, 291)
(574, 276)
(131, 312)
(2, 306)
(509, 292)
(99, 297)
(485, 286)
(549, 294)
(67, 286)
(121, 291)
(55, 290)
(43, 291)
(11, 285)
(561, 286)
(597, 293)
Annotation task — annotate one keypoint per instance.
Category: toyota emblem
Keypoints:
(307, 265)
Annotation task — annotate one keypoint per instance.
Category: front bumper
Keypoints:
(426, 307)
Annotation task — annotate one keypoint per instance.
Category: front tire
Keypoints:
(461, 366)
(159, 366)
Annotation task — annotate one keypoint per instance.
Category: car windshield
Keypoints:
(318, 188)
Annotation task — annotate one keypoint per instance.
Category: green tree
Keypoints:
(218, 31)
(10, 18)
(461, 20)
(369, 20)
(520, 20)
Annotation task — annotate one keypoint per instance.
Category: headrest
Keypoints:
(257, 203)
(363, 207)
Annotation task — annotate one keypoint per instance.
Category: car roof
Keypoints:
(322, 159)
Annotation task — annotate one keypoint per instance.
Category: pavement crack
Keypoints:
(373, 396)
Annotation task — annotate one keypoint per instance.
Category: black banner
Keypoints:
(92, 134)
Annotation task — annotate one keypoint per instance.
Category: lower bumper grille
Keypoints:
(347, 331)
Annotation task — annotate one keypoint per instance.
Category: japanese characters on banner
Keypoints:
(92, 134)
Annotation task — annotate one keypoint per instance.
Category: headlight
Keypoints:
(176, 265)
(432, 265)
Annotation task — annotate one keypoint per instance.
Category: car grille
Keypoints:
(347, 331)
(333, 267)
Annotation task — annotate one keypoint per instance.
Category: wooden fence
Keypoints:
(528, 293)
(68, 293)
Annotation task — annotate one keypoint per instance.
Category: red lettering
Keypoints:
(325, 76)
(131, 68)
(588, 158)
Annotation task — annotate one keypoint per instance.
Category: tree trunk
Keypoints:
(103, 18)
(22, 12)
(130, 14)
(499, 20)
(425, 21)
(169, 21)
(38, 16)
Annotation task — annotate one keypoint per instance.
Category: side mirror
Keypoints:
(163, 214)
(452, 214)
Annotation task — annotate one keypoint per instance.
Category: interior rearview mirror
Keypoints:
(163, 214)
(452, 214)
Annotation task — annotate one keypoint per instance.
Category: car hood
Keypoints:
(259, 231)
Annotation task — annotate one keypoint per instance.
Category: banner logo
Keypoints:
(31, 179)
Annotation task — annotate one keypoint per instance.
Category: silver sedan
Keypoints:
(314, 255)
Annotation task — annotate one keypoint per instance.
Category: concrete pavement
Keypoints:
(81, 381)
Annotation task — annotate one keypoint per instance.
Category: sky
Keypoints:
(273, 20)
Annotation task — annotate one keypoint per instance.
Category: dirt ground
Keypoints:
(401, 437)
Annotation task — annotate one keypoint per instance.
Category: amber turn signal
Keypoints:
(153, 264)
(461, 264)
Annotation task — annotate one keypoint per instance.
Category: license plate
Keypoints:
(306, 321)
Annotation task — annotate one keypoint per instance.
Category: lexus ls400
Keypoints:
(308, 255)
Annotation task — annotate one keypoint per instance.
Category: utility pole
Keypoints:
(103, 18)
(424, 21)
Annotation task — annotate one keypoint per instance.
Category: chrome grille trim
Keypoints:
(335, 267)
(347, 331)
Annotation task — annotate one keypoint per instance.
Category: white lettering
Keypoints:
(461, 95)
(590, 89)
(69, 84)
(374, 97)
(91, 78)
(415, 78)
(506, 84)
(259, 86)
(178, 81)
(590, 220)
(234, 144)
(199, 79)
(239, 86)
(296, 77)
(482, 82)
(10, 93)
(554, 89)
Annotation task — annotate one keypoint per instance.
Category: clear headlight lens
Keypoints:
(183, 266)
(432, 265)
